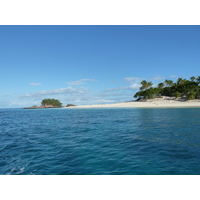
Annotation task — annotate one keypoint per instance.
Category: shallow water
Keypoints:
(109, 141)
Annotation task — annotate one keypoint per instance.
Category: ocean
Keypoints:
(100, 141)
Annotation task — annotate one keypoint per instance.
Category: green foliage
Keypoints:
(52, 102)
(168, 82)
(161, 85)
(185, 88)
(145, 85)
(198, 79)
(192, 78)
(191, 95)
(177, 94)
(148, 94)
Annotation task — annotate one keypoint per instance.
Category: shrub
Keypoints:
(51, 102)
(177, 94)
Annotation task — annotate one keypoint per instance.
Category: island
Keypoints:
(50, 103)
(182, 93)
(47, 103)
(186, 89)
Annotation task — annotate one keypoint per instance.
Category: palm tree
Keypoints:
(149, 84)
(145, 85)
(160, 85)
(192, 78)
(198, 79)
(168, 82)
(180, 81)
(184, 81)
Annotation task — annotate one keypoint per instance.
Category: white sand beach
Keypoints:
(151, 103)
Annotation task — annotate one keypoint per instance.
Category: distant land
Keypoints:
(188, 89)
(49, 103)
(182, 93)
(159, 102)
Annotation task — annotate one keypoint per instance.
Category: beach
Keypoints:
(163, 102)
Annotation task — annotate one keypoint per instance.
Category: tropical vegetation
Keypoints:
(51, 102)
(188, 89)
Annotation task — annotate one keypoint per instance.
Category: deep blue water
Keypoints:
(121, 141)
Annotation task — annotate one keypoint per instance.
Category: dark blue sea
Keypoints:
(110, 141)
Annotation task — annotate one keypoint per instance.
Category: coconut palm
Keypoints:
(185, 88)
(198, 79)
(192, 78)
(145, 85)
(168, 82)
(180, 81)
(160, 85)
(184, 81)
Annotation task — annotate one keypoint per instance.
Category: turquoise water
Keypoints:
(100, 141)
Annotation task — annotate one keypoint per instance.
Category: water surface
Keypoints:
(120, 141)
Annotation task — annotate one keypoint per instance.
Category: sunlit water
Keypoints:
(100, 141)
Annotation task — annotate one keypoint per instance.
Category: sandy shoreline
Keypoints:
(164, 102)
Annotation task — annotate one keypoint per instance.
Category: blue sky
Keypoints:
(91, 64)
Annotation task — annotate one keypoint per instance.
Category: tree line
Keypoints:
(189, 89)
(52, 102)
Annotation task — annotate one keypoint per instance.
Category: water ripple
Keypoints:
(100, 141)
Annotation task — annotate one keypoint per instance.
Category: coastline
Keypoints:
(163, 102)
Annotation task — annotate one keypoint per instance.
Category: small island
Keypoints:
(47, 103)
(182, 93)
(50, 103)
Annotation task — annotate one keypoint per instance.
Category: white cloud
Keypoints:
(133, 86)
(119, 94)
(156, 78)
(99, 100)
(89, 99)
(67, 91)
(132, 79)
(173, 76)
(102, 101)
(80, 82)
(81, 96)
(21, 104)
(35, 84)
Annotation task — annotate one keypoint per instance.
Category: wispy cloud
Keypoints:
(132, 79)
(157, 78)
(21, 104)
(35, 84)
(66, 91)
(101, 100)
(80, 82)
(173, 76)
(9, 95)
(133, 86)
(117, 94)
(86, 99)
